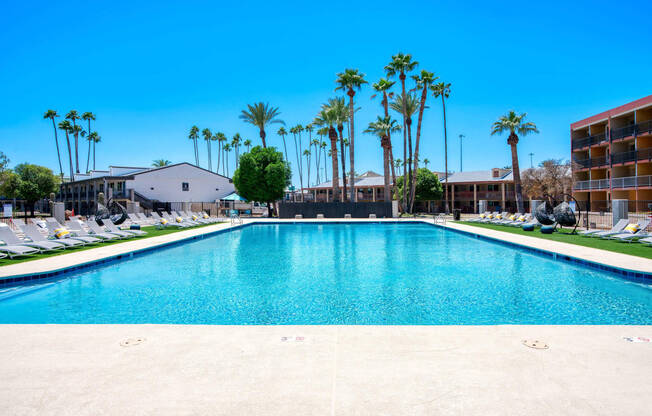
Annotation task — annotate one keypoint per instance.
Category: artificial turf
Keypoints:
(565, 236)
(151, 232)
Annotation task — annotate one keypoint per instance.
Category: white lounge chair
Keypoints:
(620, 225)
(173, 220)
(110, 225)
(8, 236)
(646, 241)
(12, 250)
(53, 225)
(159, 221)
(76, 228)
(34, 233)
(480, 217)
(97, 229)
(632, 236)
(617, 229)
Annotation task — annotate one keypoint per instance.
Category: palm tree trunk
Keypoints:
(516, 172)
(88, 158)
(351, 146)
(404, 196)
(210, 162)
(422, 106)
(386, 190)
(285, 148)
(56, 142)
(76, 152)
(409, 165)
(325, 165)
(389, 137)
(94, 154)
(340, 129)
(443, 104)
(336, 188)
(262, 137)
(296, 149)
(72, 175)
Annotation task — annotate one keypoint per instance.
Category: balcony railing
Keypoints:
(631, 181)
(589, 185)
(632, 130)
(592, 162)
(589, 141)
(644, 154)
(488, 195)
(623, 157)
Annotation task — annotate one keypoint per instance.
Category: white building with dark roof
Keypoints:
(180, 182)
(369, 188)
(466, 189)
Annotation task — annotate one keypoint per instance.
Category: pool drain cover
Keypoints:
(130, 342)
(537, 345)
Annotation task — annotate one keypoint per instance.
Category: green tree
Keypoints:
(31, 183)
(443, 90)
(159, 163)
(235, 145)
(74, 116)
(67, 128)
(406, 105)
(262, 176)
(221, 138)
(52, 114)
(426, 162)
(227, 150)
(281, 132)
(337, 106)
(326, 118)
(96, 139)
(514, 124)
(383, 86)
(194, 135)
(208, 136)
(88, 116)
(382, 128)
(260, 115)
(428, 186)
(247, 144)
(351, 80)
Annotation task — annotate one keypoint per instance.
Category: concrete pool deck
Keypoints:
(64, 261)
(331, 370)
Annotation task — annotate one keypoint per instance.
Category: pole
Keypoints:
(461, 137)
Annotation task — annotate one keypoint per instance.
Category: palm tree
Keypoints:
(159, 163)
(52, 114)
(351, 80)
(382, 128)
(210, 151)
(247, 144)
(314, 144)
(424, 81)
(227, 149)
(326, 118)
(208, 135)
(194, 135)
(281, 132)
(260, 115)
(400, 65)
(296, 130)
(74, 116)
(383, 86)
(77, 131)
(406, 105)
(221, 138)
(443, 90)
(340, 116)
(307, 154)
(235, 144)
(323, 145)
(67, 128)
(426, 162)
(88, 116)
(398, 163)
(96, 139)
(515, 124)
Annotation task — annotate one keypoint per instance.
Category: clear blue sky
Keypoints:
(150, 70)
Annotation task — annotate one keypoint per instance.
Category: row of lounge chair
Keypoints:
(624, 231)
(512, 220)
(77, 233)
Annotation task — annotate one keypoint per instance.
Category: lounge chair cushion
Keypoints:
(521, 218)
(512, 217)
(631, 229)
(179, 219)
(483, 216)
(61, 233)
(164, 221)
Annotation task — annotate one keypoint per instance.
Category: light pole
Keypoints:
(531, 164)
(461, 137)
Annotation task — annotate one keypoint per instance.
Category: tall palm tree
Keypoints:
(341, 115)
(326, 118)
(307, 154)
(383, 86)
(74, 116)
(227, 150)
(406, 105)
(400, 65)
(260, 115)
(351, 80)
(159, 163)
(88, 116)
(443, 90)
(52, 114)
(212, 139)
(281, 132)
(424, 80)
(247, 144)
(398, 163)
(382, 128)
(194, 135)
(515, 124)
(96, 139)
(314, 144)
(221, 138)
(235, 144)
(426, 162)
(296, 130)
(67, 128)
(208, 135)
(323, 145)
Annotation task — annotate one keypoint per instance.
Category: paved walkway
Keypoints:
(333, 370)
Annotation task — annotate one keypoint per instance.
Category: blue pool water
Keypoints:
(335, 274)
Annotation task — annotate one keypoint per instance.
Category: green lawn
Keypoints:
(634, 249)
(151, 232)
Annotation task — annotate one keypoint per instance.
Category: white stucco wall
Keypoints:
(166, 183)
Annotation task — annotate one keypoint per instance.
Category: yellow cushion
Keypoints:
(61, 233)
(482, 216)
(512, 217)
(499, 216)
(490, 216)
(164, 221)
(206, 216)
(195, 218)
(179, 219)
(632, 228)
(521, 218)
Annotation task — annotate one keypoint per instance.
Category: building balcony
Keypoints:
(588, 141)
(591, 185)
(632, 182)
(592, 162)
(632, 155)
(632, 130)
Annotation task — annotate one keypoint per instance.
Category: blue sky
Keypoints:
(150, 70)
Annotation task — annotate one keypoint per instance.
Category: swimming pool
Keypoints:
(311, 273)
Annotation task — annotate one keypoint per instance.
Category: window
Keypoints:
(185, 186)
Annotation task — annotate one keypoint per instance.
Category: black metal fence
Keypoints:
(334, 209)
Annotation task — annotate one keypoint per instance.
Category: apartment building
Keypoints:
(612, 157)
